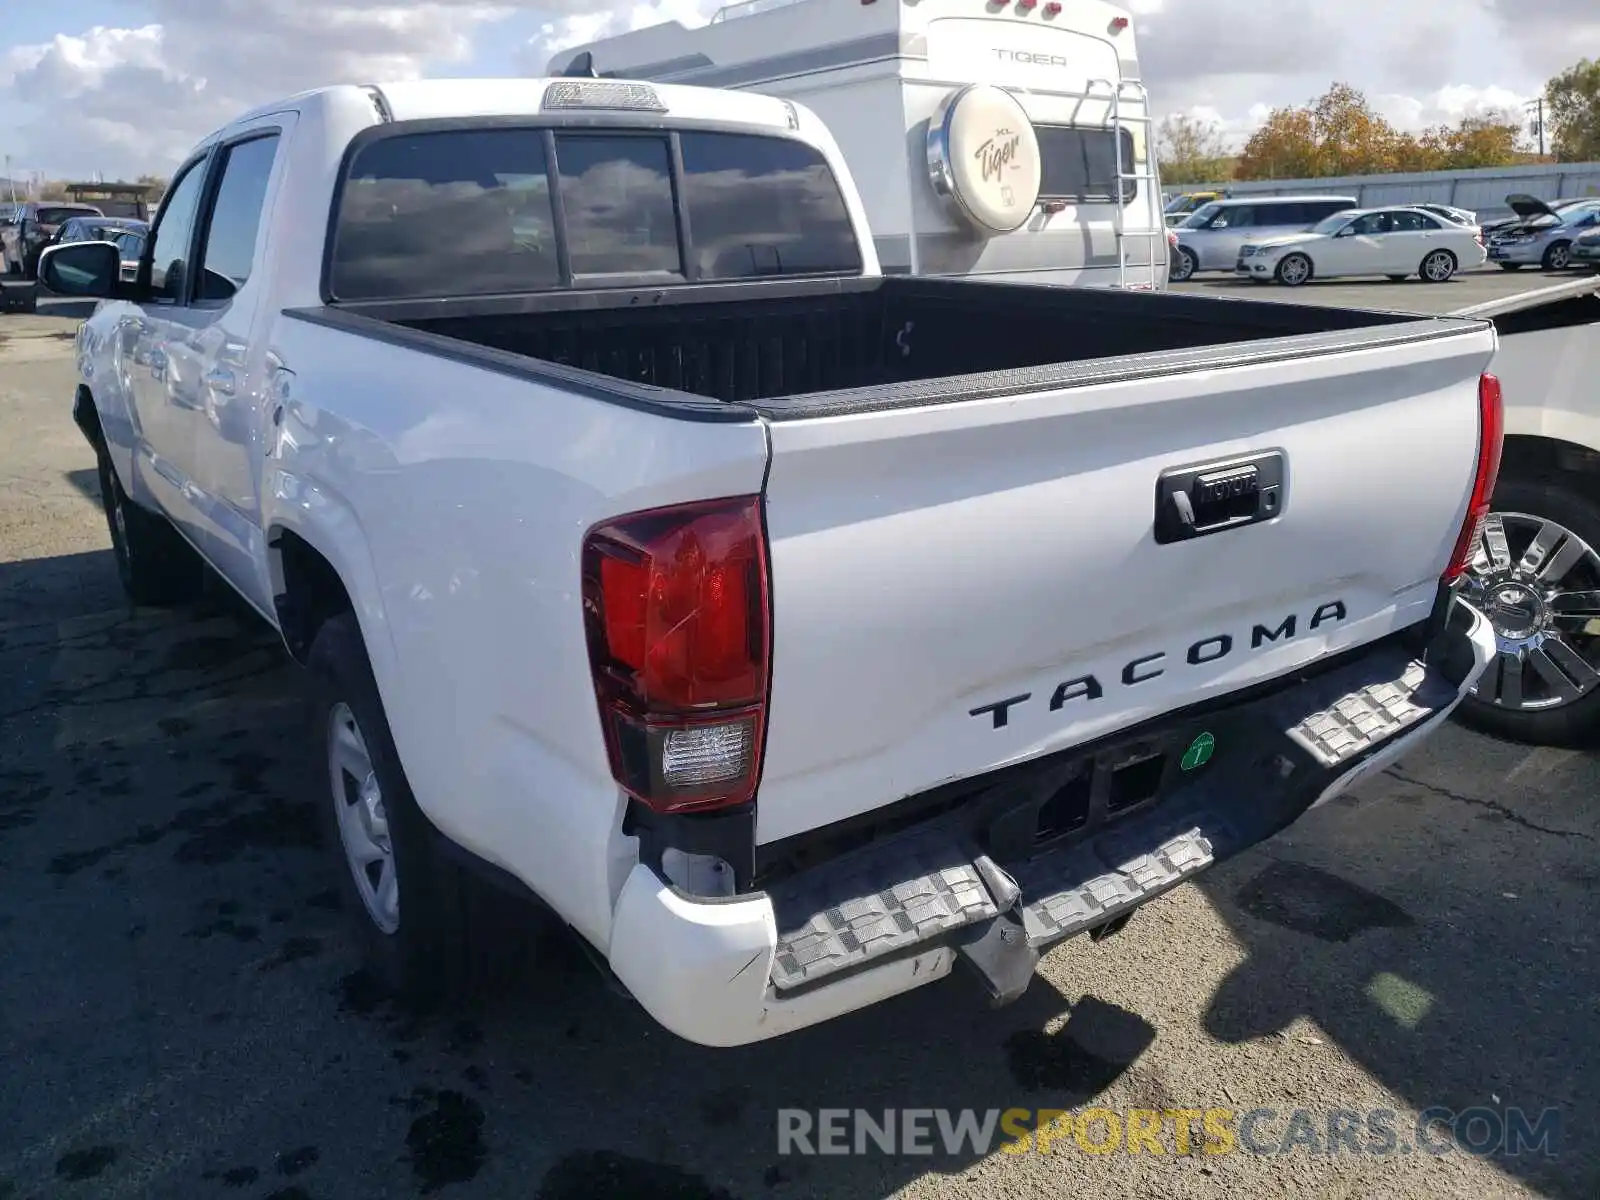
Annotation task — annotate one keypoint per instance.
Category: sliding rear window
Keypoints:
(477, 212)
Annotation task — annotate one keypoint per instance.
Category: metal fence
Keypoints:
(1483, 190)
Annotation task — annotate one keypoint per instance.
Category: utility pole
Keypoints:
(1536, 126)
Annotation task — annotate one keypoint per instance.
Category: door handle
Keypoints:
(221, 381)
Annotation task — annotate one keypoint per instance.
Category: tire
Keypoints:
(1294, 271)
(1557, 257)
(437, 945)
(1437, 266)
(156, 566)
(1184, 265)
(1511, 266)
(1542, 717)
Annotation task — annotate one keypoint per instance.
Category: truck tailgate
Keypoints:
(960, 587)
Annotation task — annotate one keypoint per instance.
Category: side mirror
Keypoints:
(86, 269)
(1347, 231)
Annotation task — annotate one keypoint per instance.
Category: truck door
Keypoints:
(219, 336)
(160, 392)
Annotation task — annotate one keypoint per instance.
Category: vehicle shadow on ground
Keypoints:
(183, 1012)
(87, 481)
(1455, 959)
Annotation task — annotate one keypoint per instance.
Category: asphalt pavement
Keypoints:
(180, 1015)
(1413, 295)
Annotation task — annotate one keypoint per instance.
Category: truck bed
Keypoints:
(806, 349)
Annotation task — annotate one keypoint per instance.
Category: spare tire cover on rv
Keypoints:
(983, 157)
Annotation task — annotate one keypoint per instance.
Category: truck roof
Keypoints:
(424, 99)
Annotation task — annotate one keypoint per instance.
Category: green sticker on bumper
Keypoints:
(1199, 752)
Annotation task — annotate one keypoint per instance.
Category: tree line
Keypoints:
(1339, 133)
(55, 190)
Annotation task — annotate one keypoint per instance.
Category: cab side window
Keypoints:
(235, 221)
(174, 232)
(1413, 222)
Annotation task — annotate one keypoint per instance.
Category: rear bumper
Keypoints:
(902, 911)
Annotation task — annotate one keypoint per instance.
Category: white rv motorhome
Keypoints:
(1008, 140)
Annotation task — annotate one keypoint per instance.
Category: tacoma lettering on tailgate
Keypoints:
(1147, 666)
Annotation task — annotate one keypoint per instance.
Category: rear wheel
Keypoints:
(1438, 267)
(424, 925)
(1535, 575)
(1294, 270)
(156, 566)
(1558, 257)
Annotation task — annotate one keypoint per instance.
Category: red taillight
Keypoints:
(676, 610)
(1118, 24)
(1491, 437)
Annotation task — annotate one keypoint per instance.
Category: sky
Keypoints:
(125, 87)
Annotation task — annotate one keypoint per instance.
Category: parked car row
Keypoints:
(1211, 238)
(1291, 240)
(27, 229)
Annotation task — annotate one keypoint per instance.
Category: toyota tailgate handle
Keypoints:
(1208, 498)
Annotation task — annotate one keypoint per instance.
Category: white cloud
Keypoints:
(1420, 62)
(129, 100)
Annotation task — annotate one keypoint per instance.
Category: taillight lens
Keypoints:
(677, 616)
(1491, 437)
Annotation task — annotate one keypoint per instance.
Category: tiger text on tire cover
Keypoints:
(983, 157)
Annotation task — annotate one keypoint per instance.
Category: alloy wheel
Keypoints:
(1538, 583)
(363, 820)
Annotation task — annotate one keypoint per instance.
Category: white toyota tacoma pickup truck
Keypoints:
(791, 632)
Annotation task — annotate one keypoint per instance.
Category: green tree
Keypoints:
(1190, 150)
(1572, 103)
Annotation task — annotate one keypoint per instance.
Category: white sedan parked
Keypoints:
(1396, 242)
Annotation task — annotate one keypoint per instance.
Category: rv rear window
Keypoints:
(1081, 164)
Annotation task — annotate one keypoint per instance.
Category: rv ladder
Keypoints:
(1132, 92)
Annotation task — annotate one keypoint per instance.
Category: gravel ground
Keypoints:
(179, 1016)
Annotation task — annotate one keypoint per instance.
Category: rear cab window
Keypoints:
(461, 212)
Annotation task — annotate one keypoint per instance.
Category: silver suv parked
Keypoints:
(1210, 239)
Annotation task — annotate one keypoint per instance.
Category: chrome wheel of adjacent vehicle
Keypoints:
(1439, 266)
(363, 820)
(1558, 257)
(1294, 270)
(1184, 265)
(1538, 583)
